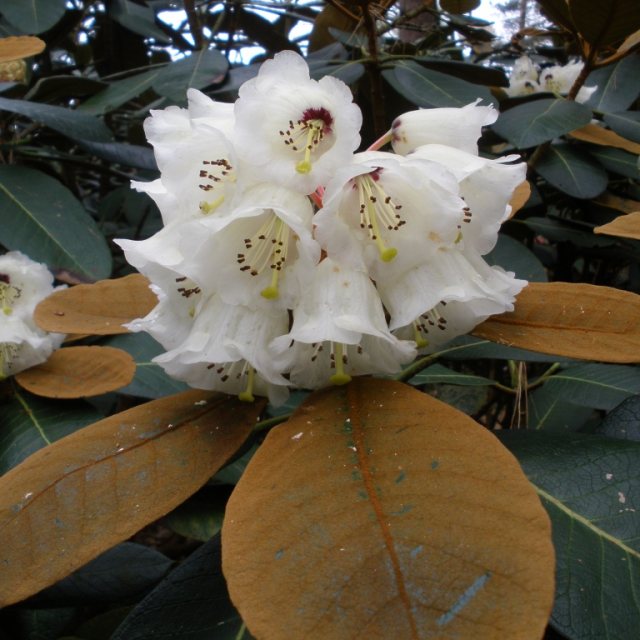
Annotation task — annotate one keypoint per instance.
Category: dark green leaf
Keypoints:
(42, 218)
(605, 23)
(200, 69)
(120, 91)
(512, 255)
(347, 71)
(625, 123)
(572, 172)
(71, 123)
(437, 373)
(617, 160)
(232, 473)
(624, 421)
(130, 155)
(564, 231)
(122, 574)
(139, 19)
(549, 410)
(295, 399)
(601, 386)
(190, 604)
(44, 624)
(33, 16)
(473, 73)
(28, 423)
(200, 517)
(63, 86)
(615, 92)
(557, 11)
(532, 123)
(150, 380)
(428, 88)
(590, 485)
(470, 347)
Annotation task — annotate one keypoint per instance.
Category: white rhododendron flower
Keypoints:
(526, 79)
(295, 130)
(289, 260)
(458, 128)
(23, 284)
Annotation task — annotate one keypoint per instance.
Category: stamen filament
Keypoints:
(368, 204)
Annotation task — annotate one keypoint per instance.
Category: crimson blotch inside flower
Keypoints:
(290, 259)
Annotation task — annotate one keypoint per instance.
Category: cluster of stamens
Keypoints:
(377, 212)
(187, 292)
(266, 249)
(215, 172)
(305, 135)
(236, 370)
(429, 320)
(8, 294)
(338, 360)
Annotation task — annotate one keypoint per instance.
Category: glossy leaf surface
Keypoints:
(32, 205)
(28, 423)
(190, 604)
(595, 528)
(533, 123)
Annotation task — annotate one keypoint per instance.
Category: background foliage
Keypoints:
(71, 140)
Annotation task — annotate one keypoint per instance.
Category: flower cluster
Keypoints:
(288, 259)
(526, 79)
(23, 283)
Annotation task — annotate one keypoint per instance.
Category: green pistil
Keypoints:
(247, 394)
(339, 377)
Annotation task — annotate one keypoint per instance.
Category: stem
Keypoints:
(381, 141)
(373, 69)
(194, 23)
(240, 634)
(263, 425)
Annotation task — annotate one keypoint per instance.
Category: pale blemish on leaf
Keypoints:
(464, 599)
(416, 551)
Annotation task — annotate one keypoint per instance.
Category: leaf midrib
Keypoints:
(40, 226)
(585, 522)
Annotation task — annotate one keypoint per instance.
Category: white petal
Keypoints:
(486, 186)
(282, 111)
